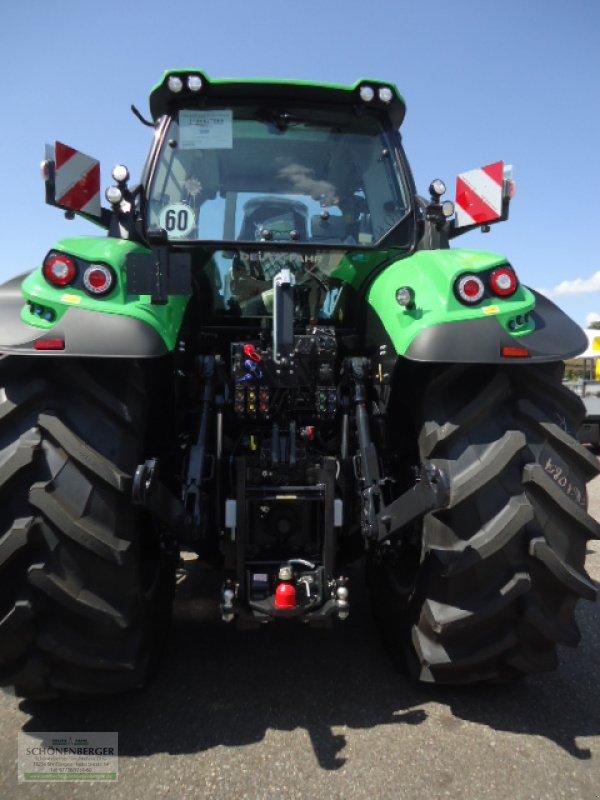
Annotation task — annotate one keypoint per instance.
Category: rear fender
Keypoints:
(437, 327)
(120, 325)
(84, 333)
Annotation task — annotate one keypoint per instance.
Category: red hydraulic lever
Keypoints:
(250, 352)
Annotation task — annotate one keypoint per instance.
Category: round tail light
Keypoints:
(470, 289)
(59, 270)
(98, 279)
(503, 282)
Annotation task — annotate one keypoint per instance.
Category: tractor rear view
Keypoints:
(275, 359)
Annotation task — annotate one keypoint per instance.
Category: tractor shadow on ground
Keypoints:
(218, 686)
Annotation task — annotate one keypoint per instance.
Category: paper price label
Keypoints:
(206, 130)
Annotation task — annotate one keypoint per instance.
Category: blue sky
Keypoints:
(516, 81)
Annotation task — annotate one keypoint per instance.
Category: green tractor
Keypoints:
(275, 360)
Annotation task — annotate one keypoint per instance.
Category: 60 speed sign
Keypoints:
(178, 219)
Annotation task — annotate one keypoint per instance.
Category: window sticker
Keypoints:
(178, 219)
(207, 130)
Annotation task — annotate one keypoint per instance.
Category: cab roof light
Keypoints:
(194, 83)
(385, 95)
(175, 84)
(178, 84)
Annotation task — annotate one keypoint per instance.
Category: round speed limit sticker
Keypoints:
(178, 220)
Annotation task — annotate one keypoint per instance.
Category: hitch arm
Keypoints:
(370, 472)
(382, 522)
(197, 453)
(149, 492)
(430, 493)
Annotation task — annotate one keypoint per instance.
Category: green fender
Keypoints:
(118, 325)
(439, 327)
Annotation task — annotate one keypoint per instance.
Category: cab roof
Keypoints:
(163, 100)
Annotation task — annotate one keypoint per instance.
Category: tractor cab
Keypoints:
(264, 166)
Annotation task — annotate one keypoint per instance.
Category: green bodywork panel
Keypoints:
(355, 268)
(166, 320)
(431, 275)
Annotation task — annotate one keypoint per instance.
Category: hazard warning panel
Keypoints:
(76, 180)
(479, 195)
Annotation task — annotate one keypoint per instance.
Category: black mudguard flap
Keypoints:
(480, 341)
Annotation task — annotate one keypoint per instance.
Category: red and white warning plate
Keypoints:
(479, 195)
(76, 180)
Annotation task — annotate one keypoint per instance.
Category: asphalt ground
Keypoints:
(290, 712)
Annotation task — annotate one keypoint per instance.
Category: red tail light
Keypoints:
(59, 270)
(50, 344)
(98, 280)
(469, 289)
(503, 282)
(515, 352)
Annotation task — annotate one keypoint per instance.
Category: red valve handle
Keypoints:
(251, 353)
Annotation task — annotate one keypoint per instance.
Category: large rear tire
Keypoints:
(495, 576)
(86, 585)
